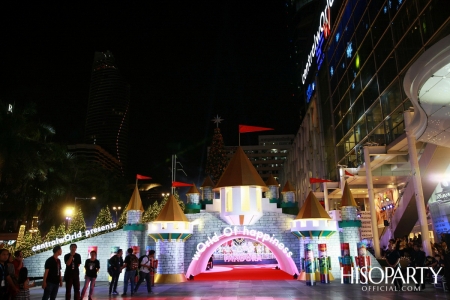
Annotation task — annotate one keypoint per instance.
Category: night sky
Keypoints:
(186, 62)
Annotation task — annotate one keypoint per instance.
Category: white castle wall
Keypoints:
(273, 223)
(170, 256)
(104, 242)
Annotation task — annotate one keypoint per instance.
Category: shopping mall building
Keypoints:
(374, 78)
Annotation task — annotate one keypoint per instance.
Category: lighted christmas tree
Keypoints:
(61, 231)
(51, 234)
(164, 201)
(26, 244)
(20, 236)
(217, 158)
(122, 220)
(77, 223)
(104, 218)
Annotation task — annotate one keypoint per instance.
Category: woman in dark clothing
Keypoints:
(393, 260)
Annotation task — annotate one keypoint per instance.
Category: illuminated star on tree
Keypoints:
(217, 120)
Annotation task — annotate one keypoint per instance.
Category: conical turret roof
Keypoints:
(240, 172)
(135, 201)
(347, 197)
(193, 190)
(171, 212)
(207, 182)
(312, 209)
(271, 181)
(288, 187)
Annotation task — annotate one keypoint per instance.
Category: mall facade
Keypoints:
(372, 66)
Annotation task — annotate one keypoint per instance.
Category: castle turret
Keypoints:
(170, 230)
(350, 222)
(289, 203)
(207, 191)
(134, 225)
(273, 193)
(193, 201)
(240, 188)
(313, 226)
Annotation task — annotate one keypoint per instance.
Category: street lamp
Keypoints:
(165, 195)
(33, 230)
(116, 208)
(68, 213)
(78, 198)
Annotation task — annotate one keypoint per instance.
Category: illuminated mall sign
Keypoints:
(75, 235)
(228, 231)
(323, 31)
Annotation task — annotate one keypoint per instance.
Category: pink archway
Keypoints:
(285, 262)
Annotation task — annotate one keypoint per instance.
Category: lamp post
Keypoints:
(116, 208)
(165, 195)
(33, 230)
(78, 198)
(68, 213)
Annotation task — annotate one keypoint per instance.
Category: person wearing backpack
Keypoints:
(131, 264)
(114, 270)
(145, 267)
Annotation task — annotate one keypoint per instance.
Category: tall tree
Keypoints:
(51, 234)
(77, 223)
(217, 158)
(104, 218)
(61, 230)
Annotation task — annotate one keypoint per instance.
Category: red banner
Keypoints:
(247, 128)
(348, 173)
(142, 177)
(318, 180)
(180, 184)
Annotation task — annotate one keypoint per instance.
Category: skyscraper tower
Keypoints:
(108, 108)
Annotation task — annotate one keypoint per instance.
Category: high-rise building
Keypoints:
(268, 156)
(370, 66)
(108, 108)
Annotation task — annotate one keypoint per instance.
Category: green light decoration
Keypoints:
(357, 61)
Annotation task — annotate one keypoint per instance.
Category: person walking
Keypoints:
(116, 263)
(145, 269)
(418, 259)
(52, 275)
(131, 264)
(72, 272)
(92, 266)
(393, 260)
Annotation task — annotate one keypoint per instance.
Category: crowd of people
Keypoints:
(411, 250)
(15, 283)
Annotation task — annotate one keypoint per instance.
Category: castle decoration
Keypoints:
(288, 203)
(274, 189)
(350, 222)
(134, 226)
(241, 189)
(346, 263)
(193, 204)
(313, 225)
(309, 265)
(169, 231)
(362, 261)
(207, 192)
(324, 264)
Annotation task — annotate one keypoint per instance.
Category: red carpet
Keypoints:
(243, 272)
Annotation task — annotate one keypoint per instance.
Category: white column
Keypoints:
(325, 197)
(373, 212)
(417, 181)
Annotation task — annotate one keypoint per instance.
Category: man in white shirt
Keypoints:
(145, 270)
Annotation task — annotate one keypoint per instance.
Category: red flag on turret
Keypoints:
(142, 177)
(318, 180)
(180, 184)
(247, 128)
(348, 173)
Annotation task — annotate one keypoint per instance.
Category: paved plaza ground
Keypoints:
(259, 290)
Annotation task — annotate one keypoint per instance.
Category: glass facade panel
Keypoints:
(368, 71)
(349, 142)
(409, 46)
(391, 98)
(371, 93)
(403, 20)
(360, 130)
(384, 48)
(348, 122)
(358, 108)
(339, 133)
(387, 73)
(374, 119)
(375, 7)
(381, 23)
(394, 125)
(355, 88)
(363, 28)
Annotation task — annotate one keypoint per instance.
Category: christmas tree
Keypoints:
(104, 218)
(77, 223)
(20, 236)
(122, 220)
(61, 231)
(51, 234)
(26, 244)
(217, 158)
